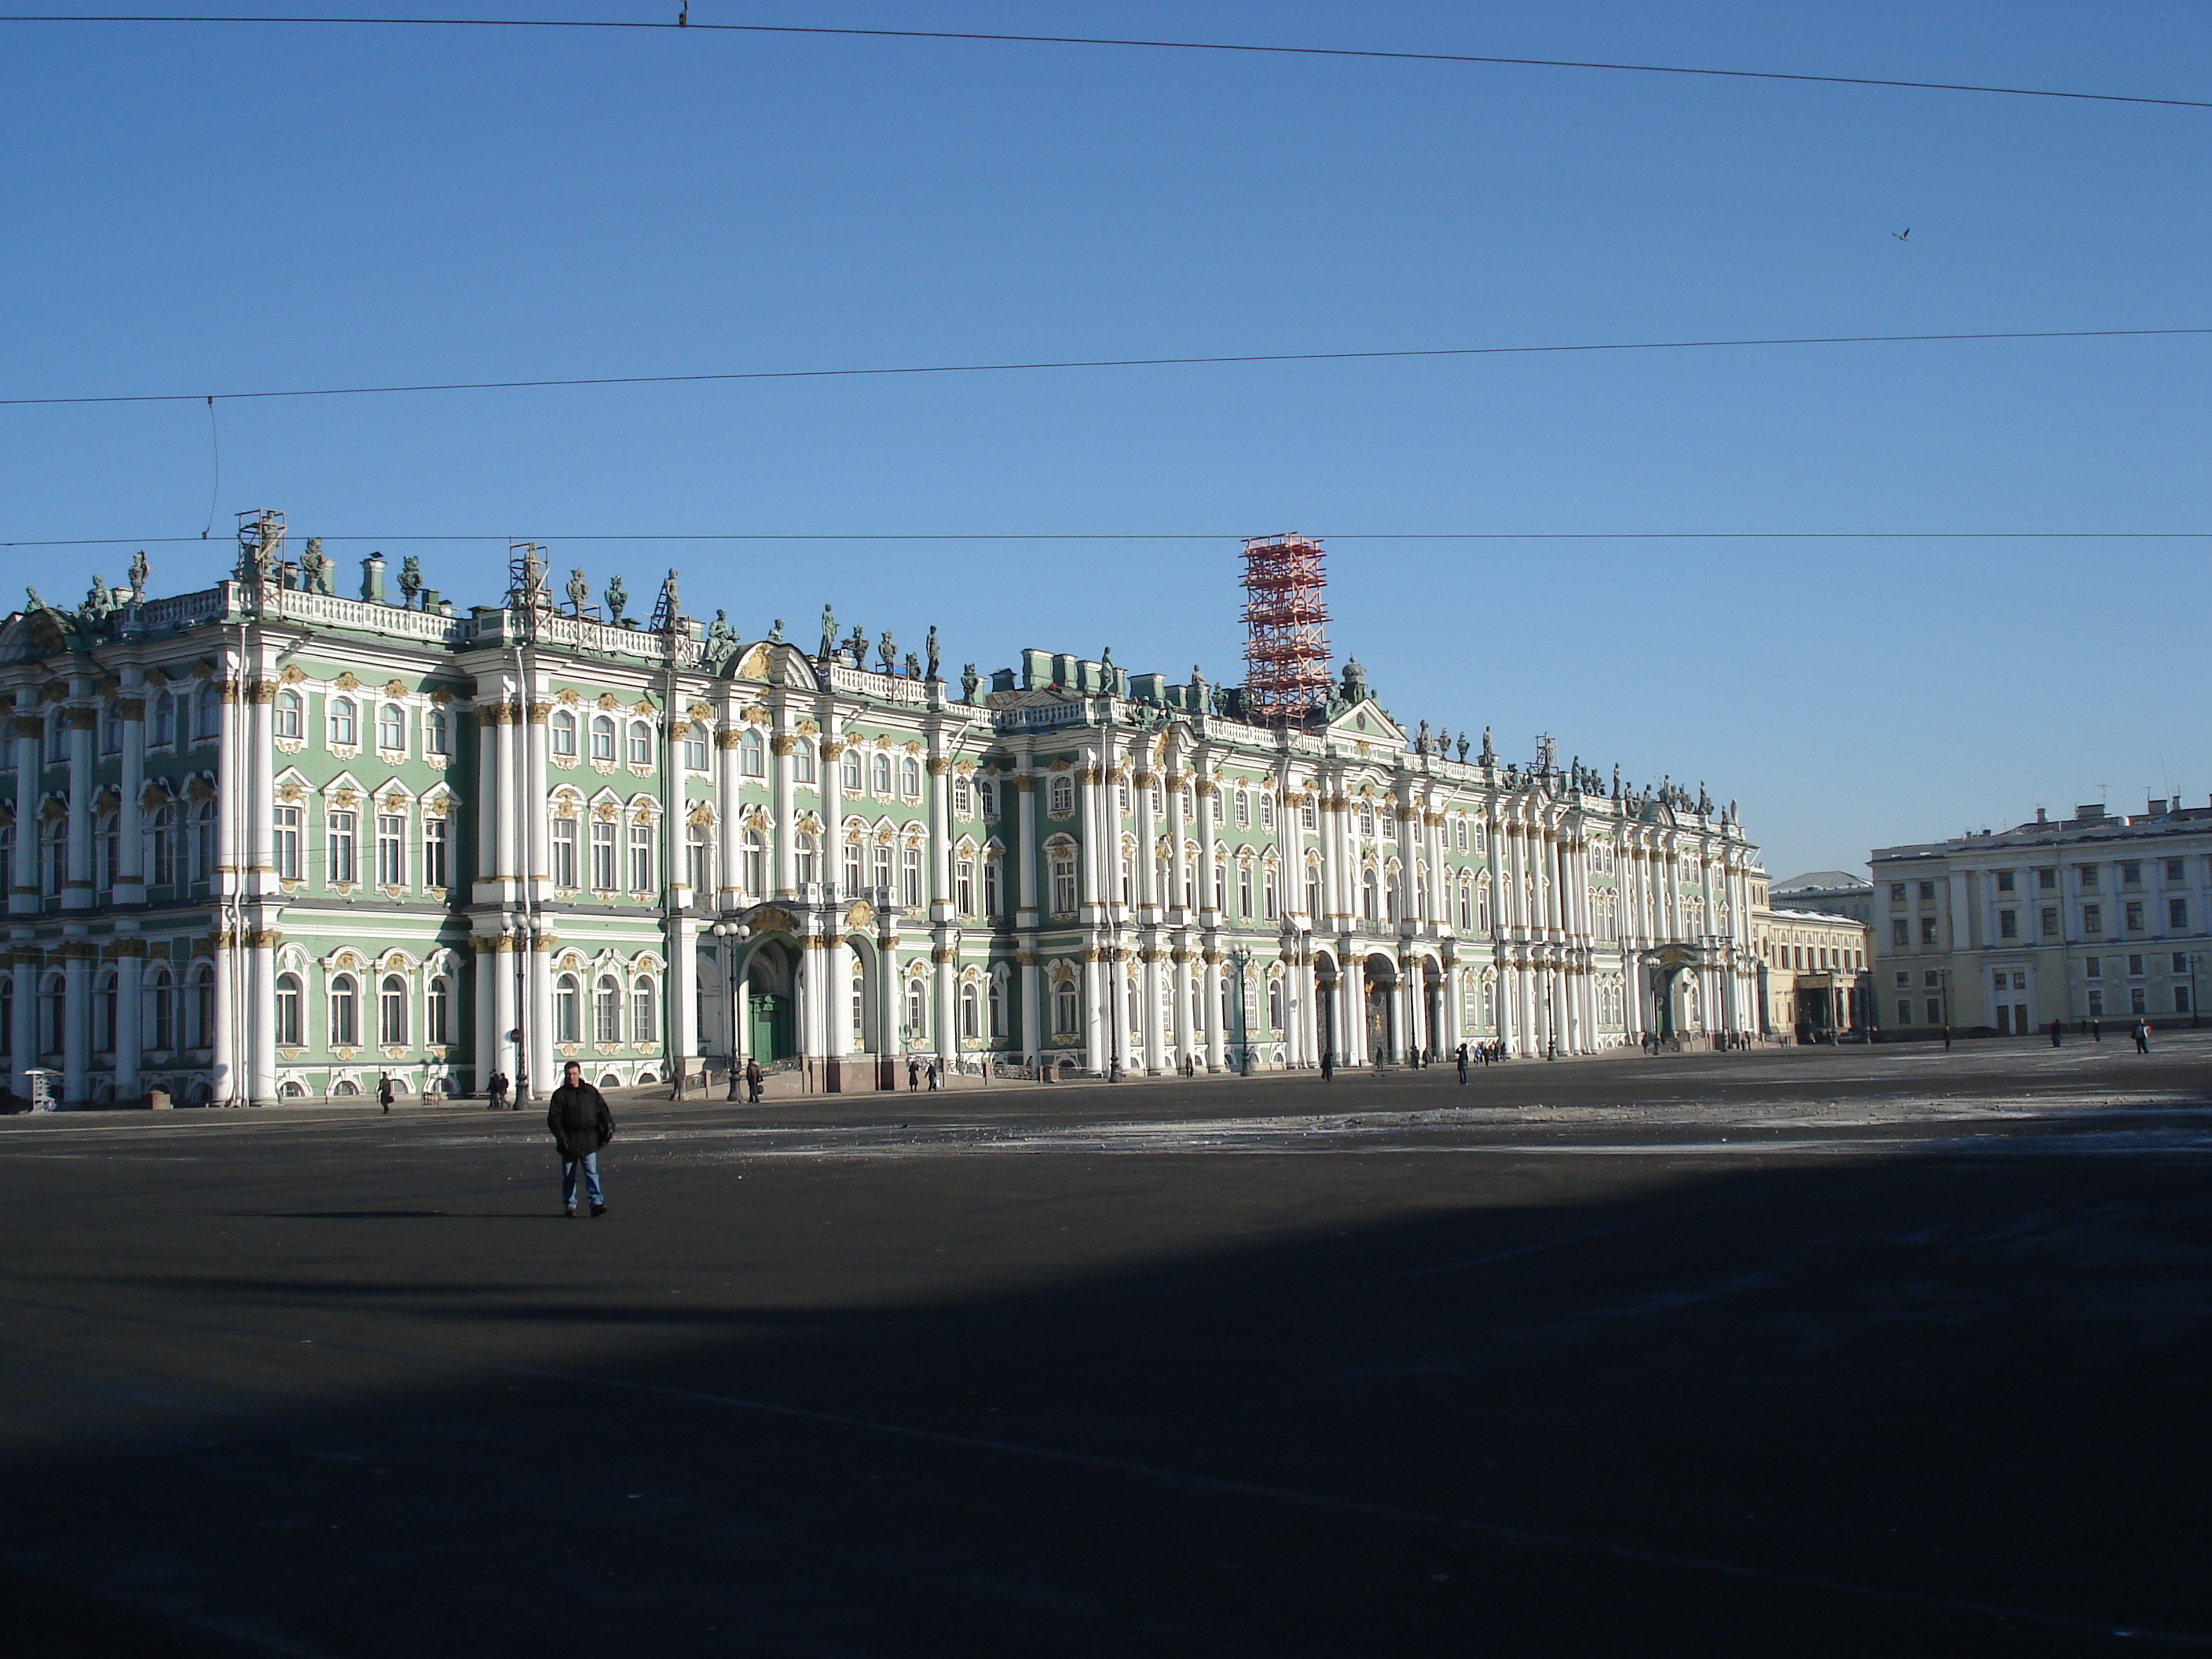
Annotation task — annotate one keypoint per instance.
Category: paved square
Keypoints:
(1853, 1350)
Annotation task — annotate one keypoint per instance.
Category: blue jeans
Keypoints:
(591, 1162)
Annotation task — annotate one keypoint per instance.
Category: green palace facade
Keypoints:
(265, 842)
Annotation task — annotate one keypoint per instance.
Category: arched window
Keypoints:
(806, 848)
(1266, 811)
(848, 770)
(1391, 885)
(291, 714)
(644, 1014)
(699, 859)
(568, 1010)
(996, 1007)
(53, 1014)
(755, 871)
(987, 798)
(1367, 819)
(106, 850)
(910, 778)
(1157, 798)
(752, 753)
(437, 733)
(438, 1013)
(1370, 900)
(1244, 809)
(564, 854)
(392, 728)
(199, 1007)
(603, 738)
(1244, 889)
(879, 775)
(640, 743)
(53, 850)
(208, 707)
(962, 798)
(971, 1013)
(103, 1012)
(289, 1014)
(1062, 799)
(346, 1012)
(1128, 879)
(391, 1012)
(607, 1009)
(917, 1010)
(345, 723)
(1063, 1008)
(1313, 891)
(993, 899)
(1275, 1005)
(1275, 895)
(163, 731)
(562, 727)
(203, 843)
(802, 760)
(1063, 882)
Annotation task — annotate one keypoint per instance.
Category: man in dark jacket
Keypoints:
(581, 1124)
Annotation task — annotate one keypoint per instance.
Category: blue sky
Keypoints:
(202, 209)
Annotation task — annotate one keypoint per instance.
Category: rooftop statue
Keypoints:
(318, 570)
(580, 592)
(1355, 681)
(970, 679)
(858, 646)
(1463, 747)
(1489, 755)
(99, 603)
(930, 646)
(775, 632)
(887, 650)
(410, 578)
(912, 666)
(140, 570)
(829, 634)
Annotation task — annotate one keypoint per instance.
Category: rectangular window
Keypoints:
(2004, 881)
(603, 856)
(2134, 915)
(2093, 919)
(2046, 881)
(2177, 872)
(1897, 896)
(1904, 1011)
(910, 868)
(1935, 1012)
(2176, 914)
(1903, 981)
(694, 749)
(2088, 877)
(391, 850)
(340, 867)
(1927, 890)
(2180, 962)
(2093, 967)
(435, 843)
(2050, 921)
(2138, 1001)
(2135, 967)
(965, 890)
(564, 853)
(1244, 890)
(2096, 1005)
(287, 848)
(2007, 924)
(1900, 933)
(2181, 998)
(640, 858)
(991, 905)
(1928, 930)
(2131, 874)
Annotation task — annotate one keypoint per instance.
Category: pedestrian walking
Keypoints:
(581, 1124)
(2058, 1034)
(1461, 1057)
(384, 1091)
(1328, 1065)
(1947, 1039)
(753, 1082)
(913, 1074)
(2143, 1036)
(930, 1073)
(496, 1091)
(2096, 1030)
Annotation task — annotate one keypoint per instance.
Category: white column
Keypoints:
(1210, 998)
(76, 882)
(537, 820)
(729, 805)
(1155, 1058)
(505, 851)
(1185, 1038)
(682, 1020)
(23, 1035)
(538, 1029)
(814, 970)
(945, 986)
(1032, 1001)
(1096, 1012)
(130, 825)
(261, 791)
(130, 956)
(829, 772)
(1208, 916)
(224, 1068)
(1025, 899)
(261, 988)
(23, 894)
(837, 1000)
(1178, 858)
(891, 1014)
(76, 1021)
(786, 811)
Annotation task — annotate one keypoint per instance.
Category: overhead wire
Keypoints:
(1374, 54)
(1103, 362)
(1214, 535)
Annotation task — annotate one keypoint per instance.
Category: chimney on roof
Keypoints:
(2156, 809)
(2090, 811)
(2042, 816)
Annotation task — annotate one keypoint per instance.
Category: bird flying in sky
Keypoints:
(1902, 234)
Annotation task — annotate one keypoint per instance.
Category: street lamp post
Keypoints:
(2195, 1014)
(1239, 958)
(732, 934)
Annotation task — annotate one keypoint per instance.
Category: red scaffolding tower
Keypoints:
(1286, 639)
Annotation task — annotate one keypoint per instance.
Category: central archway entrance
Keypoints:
(770, 1010)
(1380, 974)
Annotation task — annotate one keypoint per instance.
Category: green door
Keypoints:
(771, 1028)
